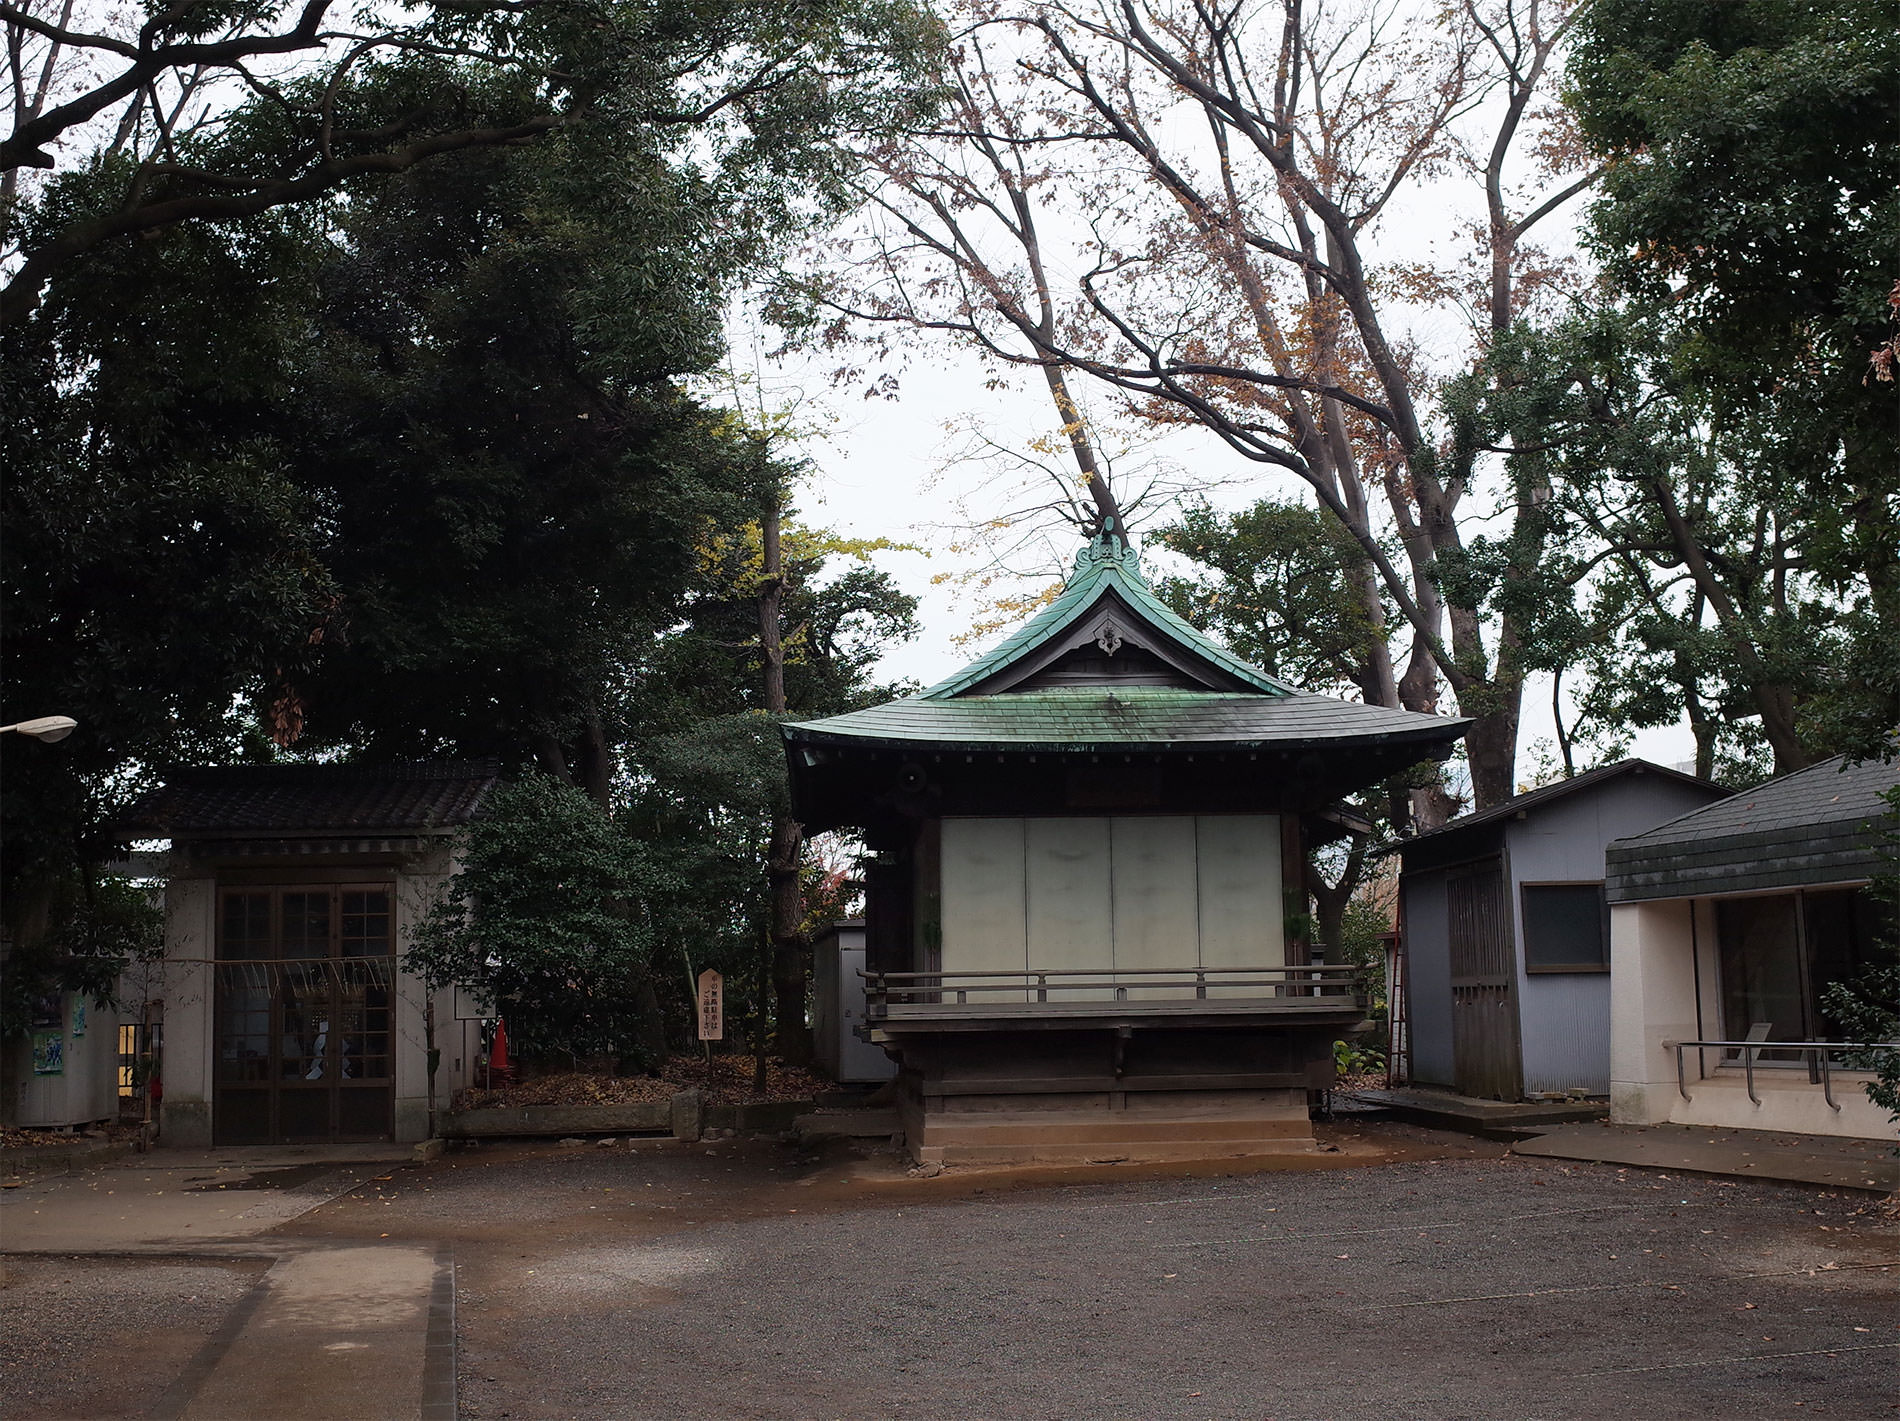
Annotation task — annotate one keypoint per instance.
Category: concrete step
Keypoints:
(1448, 1111)
(1052, 1128)
(1129, 1152)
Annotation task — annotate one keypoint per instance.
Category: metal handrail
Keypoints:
(1816, 1051)
(881, 987)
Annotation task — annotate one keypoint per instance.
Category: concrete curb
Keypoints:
(438, 1359)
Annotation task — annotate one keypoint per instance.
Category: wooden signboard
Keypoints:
(712, 1006)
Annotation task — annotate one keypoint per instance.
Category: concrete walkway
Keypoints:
(170, 1200)
(1745, 1154)
(359, 1331)
(341, 1332)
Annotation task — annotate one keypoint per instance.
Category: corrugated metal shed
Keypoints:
(1820, 825)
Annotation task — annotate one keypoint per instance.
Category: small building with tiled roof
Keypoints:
(1502, 987)
(291, 894)
(1083, 914)
(1727, 928)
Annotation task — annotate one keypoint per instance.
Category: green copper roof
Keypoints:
(1127, 718)
(1104, 566)
(998, 703)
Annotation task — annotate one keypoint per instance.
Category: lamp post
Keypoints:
(48, 727)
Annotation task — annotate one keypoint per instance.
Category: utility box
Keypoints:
(838, 1008)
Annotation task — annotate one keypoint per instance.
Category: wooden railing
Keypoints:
(896, 994)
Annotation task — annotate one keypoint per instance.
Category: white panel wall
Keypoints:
(984, 913)
(1242, 916)
(1155, 895)
(1095, 893)
(1070, 923)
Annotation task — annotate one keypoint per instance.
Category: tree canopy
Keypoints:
(406, 463)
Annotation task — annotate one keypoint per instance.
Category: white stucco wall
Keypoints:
(87, 1086)
(1564, 1017)
(1654, 979)
(185, 1070)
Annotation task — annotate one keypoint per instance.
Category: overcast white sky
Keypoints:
(884, 467)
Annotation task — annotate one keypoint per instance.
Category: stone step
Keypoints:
(1050, 1128)
(1129, 1152)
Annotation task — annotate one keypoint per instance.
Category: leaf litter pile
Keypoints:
(730, 1083)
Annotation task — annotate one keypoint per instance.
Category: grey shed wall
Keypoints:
(1565, 1016)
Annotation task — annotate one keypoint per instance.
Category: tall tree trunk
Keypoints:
(787, 906)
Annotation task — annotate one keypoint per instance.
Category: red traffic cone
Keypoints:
(499, 1068)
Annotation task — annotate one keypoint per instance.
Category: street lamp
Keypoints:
(48, 727)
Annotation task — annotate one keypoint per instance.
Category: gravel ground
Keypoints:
(103, 1337)
(745, 1283)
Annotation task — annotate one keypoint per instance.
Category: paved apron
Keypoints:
(365, 1333)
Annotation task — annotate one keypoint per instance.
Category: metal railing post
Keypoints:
(1682, 1086)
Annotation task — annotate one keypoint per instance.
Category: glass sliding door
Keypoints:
(304, 982)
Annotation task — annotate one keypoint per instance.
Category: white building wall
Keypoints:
(1564, 1017)
(415, 892)
(191, 906)
(87, 1086)
(1654, 948)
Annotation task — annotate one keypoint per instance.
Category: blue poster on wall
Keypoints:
(79, 1016)
(49, 1053)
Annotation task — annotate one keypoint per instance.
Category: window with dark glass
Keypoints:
(1565, 928)
(1781, 952)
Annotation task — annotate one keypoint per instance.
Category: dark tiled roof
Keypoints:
(1532, 800)
(312, 799)
(1147, 717)
(1819, 825)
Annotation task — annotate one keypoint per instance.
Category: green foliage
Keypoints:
(406, 468)
(1277, 590)
(544, 918)
(1720, 403)
(1357, 1058)
(1868, 1008)
(98, 928)
(737, 104)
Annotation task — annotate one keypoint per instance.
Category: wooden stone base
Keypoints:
(1069, 1132)
(1073, 1098)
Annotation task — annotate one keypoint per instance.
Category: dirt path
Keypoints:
(1409, 1274)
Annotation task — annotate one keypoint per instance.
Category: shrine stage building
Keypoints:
(1085, 892)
